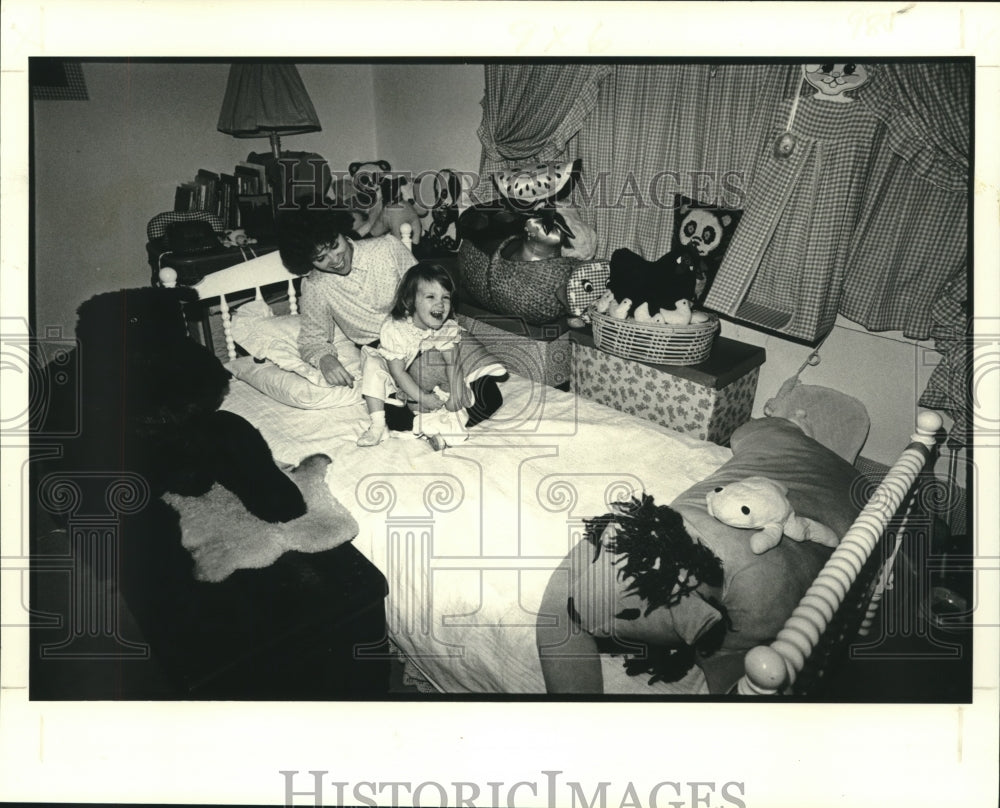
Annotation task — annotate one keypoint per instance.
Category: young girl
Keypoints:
(420, 321)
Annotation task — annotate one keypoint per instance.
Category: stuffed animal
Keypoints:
(620, 310)
(385, 200)
(441, 237)
(366, 177)
(582, 245)
(642, 315)
(545, 236)
(705, 232)
(533, 188)
(238, 238)
(758, 502)
(148, 405)
(680, 315)
(605, 301)
(657, 283)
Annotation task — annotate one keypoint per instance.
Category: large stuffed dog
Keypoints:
(149, 400)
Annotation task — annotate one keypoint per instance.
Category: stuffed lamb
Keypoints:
(757, 502)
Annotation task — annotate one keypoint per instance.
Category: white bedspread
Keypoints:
(467, 537)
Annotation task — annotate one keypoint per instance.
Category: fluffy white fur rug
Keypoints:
(223, 537)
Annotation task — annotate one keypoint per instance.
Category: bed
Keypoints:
(469, 537)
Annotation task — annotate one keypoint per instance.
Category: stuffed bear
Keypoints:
(149, 399)
(385, 200)
(758, 502)
(659, 284)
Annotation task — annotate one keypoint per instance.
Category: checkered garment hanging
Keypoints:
(786, 265)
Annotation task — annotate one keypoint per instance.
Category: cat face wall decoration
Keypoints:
(833, 80)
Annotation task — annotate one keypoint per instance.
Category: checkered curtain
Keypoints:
(659, 131)
(909, 267)
(531, 111)
(950, 385)
(866, 218)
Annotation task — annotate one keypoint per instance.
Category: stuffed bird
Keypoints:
(642, 314)
(604, 302)
(620, 310)
(681, 315)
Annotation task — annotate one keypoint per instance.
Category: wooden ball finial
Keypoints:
(168, 277)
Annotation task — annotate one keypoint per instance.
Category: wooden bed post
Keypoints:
(770, 669)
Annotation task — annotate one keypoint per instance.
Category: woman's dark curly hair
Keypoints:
(303, 233)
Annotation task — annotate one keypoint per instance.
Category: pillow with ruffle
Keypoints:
(280, 372)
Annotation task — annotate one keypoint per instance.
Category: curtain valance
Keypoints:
(530, 111)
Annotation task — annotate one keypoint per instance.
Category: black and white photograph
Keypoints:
(551, 416)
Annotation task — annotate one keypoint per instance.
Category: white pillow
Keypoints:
(291, 388)
(275, 338)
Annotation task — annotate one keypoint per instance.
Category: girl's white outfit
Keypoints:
(401, 339)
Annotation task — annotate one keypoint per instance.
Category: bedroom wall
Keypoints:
(105, 166)
(427, 115)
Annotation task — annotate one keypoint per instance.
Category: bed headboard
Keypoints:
(250, 276)
(817, 624)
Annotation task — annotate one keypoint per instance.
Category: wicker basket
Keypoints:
(656, 343)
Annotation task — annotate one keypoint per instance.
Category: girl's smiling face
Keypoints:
(431, 305)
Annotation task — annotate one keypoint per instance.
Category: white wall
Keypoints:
(105, 166)
(427, 115)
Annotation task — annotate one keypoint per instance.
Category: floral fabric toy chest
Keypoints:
(707, 401)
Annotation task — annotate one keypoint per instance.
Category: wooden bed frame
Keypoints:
(844, 597)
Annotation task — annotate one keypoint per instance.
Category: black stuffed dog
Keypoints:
(660, 283)
(149, 405)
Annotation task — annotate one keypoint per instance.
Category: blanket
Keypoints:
(223, 537)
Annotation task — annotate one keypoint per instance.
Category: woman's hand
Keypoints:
(334, 372)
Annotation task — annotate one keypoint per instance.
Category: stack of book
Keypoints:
(250, 179)
(222, 194)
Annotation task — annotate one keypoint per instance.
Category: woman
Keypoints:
(348, 289)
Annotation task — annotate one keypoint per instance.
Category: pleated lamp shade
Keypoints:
(265, 99)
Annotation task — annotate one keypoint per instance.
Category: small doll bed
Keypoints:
(469, 538)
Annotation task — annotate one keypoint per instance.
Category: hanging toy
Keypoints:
(786, 142)
(785, 145)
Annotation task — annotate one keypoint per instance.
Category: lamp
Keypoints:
(266, 99)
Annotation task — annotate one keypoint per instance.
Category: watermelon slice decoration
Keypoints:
(530, 186)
